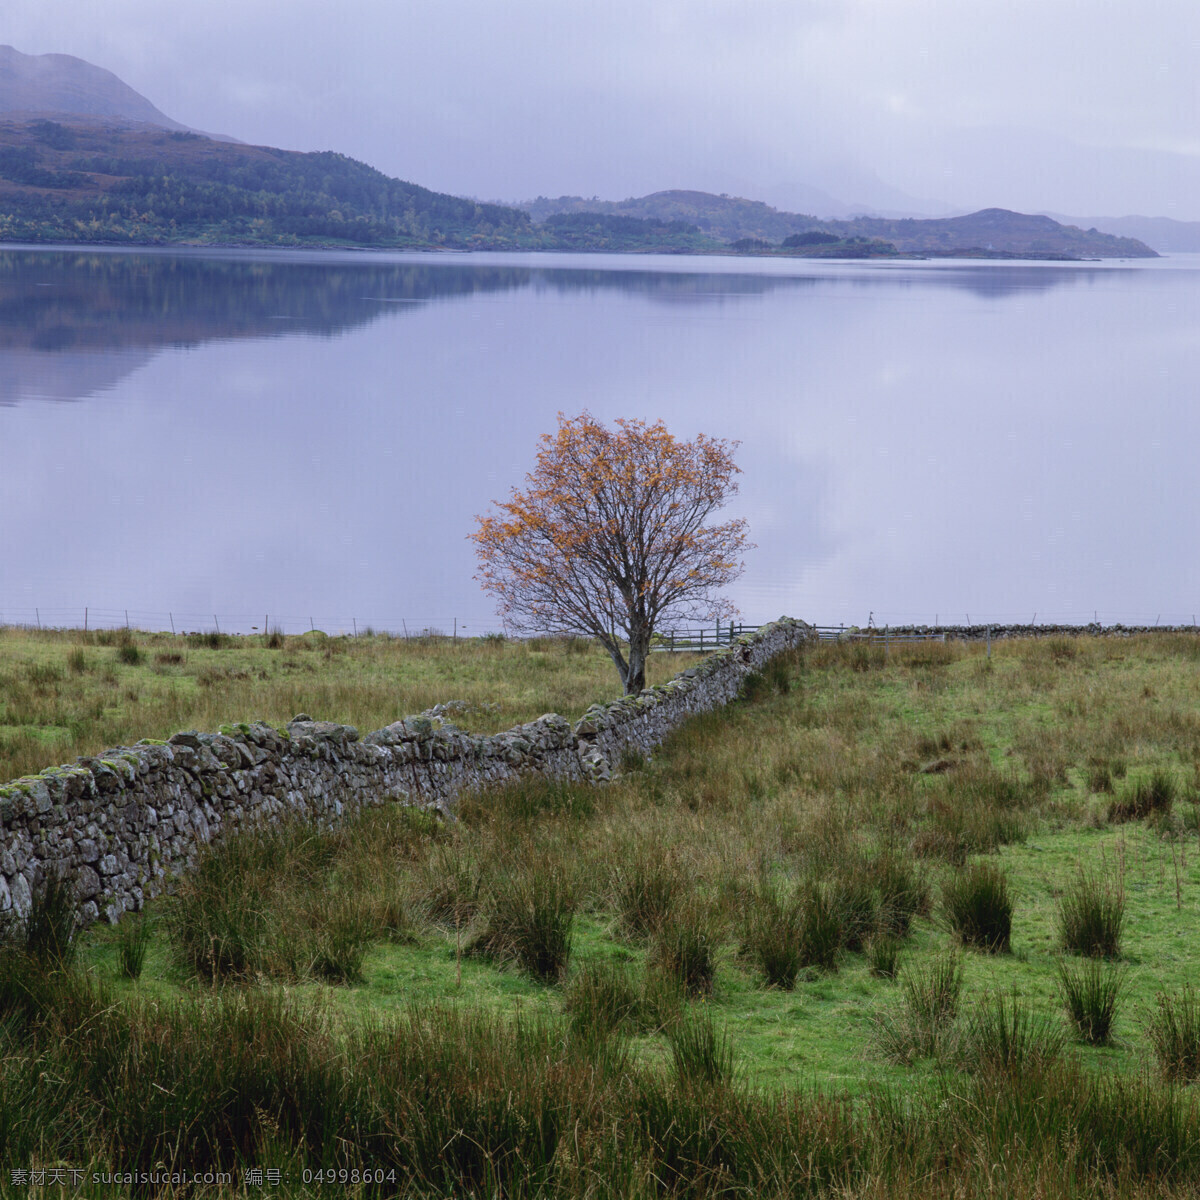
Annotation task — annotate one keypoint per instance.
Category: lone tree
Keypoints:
(610, 539)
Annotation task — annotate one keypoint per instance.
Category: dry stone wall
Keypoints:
(979, 633)
(124, 823)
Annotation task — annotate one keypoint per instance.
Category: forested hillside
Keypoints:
(88, 182)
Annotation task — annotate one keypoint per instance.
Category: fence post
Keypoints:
(85, 619)
(989, 642)
(887, 639)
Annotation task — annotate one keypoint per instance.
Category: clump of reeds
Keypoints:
(772, 935)
(883, 955)
(603, 997)
(133, 941)
(1141, 798)
(47, 933)
(1090, 915)
(978, 907)
(645, 886)
(701, 1054)
(528, 918)
(1174, 1033)
(1004, 1036)
(685, 948)
(903, 891)
(1089, 992)
(923, 1025)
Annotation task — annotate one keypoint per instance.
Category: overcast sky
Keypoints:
(1086, 108)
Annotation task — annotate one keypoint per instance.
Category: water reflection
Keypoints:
(312, 435)
(90, 304)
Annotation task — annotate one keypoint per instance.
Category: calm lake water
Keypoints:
(193, 436)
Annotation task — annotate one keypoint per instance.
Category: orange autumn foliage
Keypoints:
(611, 537)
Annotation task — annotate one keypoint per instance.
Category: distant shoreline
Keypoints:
(964, 254)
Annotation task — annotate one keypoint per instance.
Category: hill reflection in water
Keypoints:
(312, 435)
(86, 305)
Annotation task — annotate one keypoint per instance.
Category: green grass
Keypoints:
(67, 693)
(769, 810)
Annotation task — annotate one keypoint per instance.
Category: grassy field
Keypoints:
(67, 693)
(918, 924)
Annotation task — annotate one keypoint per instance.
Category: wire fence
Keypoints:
(88, 618)
(476, 624)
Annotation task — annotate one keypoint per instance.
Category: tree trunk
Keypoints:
(614, 652)
(639, 647)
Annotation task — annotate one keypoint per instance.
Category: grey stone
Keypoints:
(21, 895)
(87, 883)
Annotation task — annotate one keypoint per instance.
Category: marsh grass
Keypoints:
(1089, 992)
(1151, 797)
(883, 955)
(1174, 1033)
(701, 1053)
(904, 892)
(47, 933)
(773, 932)
(1005, 1036)
(603, 996)
(529, 915)
(133, 941)
(978, 907)
(923, 1025)
(1091, 915)
(522, 1090)
(685, 948)
(646, 886)
(56, 701)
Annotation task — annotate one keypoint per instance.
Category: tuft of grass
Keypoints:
(1090, 915)
(774, 931)
(602, 999)
(646, 886)
(133, 941)
(821, 935)
(47, 934)
(978, 907)
(685, 949)
(1141, 798)
(529, 916)
(883, 955)
(923, 1026)
(1174, 1033)
(1089, 992)
(856, 899)
(701, 1054)
(903, 891)
(1005, 1037)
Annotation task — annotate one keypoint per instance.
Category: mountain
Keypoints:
(1165, 234)
(85, 158)
(728, 218)
(60, 85)
(993, 231)
(142, 185)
